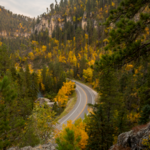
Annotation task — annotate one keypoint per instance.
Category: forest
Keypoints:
(111, 55)
(11, 23)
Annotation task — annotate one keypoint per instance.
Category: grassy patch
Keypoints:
(70, 105)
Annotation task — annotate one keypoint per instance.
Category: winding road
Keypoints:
(85, 95)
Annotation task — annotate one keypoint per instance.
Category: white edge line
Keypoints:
(74, 110)
(89, 92)
(65, 115)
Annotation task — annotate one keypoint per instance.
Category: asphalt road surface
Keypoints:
(85, 95)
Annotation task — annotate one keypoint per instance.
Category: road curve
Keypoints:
(85, 95)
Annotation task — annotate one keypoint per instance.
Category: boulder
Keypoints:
(132, 140)
(51, 145)
(42, 100)
(40, 147)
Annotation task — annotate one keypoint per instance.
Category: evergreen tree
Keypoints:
(125, 39)
(4, 60)
(99, 130)
(109, 91)
(34, 86)
(145, 115)
(10, 121)
(121, 121)
(70, 143)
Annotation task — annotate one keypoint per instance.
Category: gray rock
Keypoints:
(48, 146)
(26, 148)
(44, 100)
(133, 139)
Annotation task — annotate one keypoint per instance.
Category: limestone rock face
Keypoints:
(3, 33)
(132, 140)
(13, 34)
(49, 24)
(45, 100)
(57, 20)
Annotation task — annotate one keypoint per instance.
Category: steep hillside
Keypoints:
(67, 16)
(13, 25)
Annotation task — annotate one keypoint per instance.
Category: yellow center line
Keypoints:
(84, 106)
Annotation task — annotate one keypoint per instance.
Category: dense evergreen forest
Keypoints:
(111, 54)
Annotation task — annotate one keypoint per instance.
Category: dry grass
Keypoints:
(69, 107)
(138, 128)
(116, 147)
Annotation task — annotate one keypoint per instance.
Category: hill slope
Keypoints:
(64, 18)
(13, 24)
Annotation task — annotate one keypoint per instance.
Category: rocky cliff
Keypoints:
(46, 24)
(55, 20)
(136, 139)
(5, 34)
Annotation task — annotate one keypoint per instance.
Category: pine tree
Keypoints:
(125, 39)
(145, 115)
(69, 142)
(109, 91)
(99, 130)
(10, 121)
(34, 86)
(4, 60)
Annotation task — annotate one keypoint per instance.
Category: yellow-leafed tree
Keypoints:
(78, 129)
(64, 92)
(88, 74)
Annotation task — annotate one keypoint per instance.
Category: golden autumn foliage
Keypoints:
(95, 83)
(31, 55)
(30, 68)
(86, 36)
(44, 48)
(62, 59)
(64, 92)
(42, 87)
(1, 43)
(39, 71)
(88, 74)
(74, 19)
(146, 143)
(34, 42)
(147, 30)
(17, 66)
(137, 70)
(133, 117)
(59, 19)
(113, 4)
(106, 40)
(49, 55)
(72, 58)
(79, 130)
(129, 67)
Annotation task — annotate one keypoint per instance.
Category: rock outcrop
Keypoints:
(48, 146)
(44, 100)
(133, 139)
(3, 33)
(13, 34)
(58, 20)
(49, 24)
